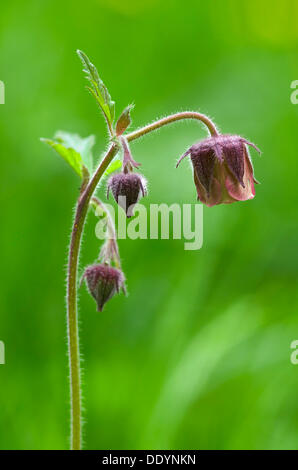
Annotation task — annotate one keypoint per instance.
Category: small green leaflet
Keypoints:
(75, 150)
(83, 146)
(98, 88)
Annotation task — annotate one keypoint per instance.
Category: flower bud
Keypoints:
(223, 171)
(103, 282)
(127, 188)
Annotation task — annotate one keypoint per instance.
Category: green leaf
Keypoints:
(75, 150)
(70, 155)
(81, 145)
(115, 165)
(124, 120)
(98, 88)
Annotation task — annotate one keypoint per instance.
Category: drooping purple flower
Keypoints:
(223, 171)
(127, 188)
(103, 282)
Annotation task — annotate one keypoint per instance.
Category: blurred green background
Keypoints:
(198, 355)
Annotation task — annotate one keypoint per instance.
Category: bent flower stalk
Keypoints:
(223, 173)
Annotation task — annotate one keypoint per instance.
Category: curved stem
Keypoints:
(173, 118)
(109, 251)
(111, 228)
(74, 250)
(72, 317)
(128, 161)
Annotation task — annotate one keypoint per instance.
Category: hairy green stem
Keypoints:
(170, 119)
(74, 250)
(72, 317)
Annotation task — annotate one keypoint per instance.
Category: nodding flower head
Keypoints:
(103, 282)
(127, 188)
(223, 172)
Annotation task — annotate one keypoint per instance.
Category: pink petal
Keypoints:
(236, 191)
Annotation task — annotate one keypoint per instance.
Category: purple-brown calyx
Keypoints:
(223, 171)
(127, 188)
(103, 282)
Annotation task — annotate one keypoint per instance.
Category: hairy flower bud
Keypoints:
(223, 171)
(127, 188)
(103, 282)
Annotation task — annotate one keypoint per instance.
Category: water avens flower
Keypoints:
(103, 282)
(127, 188)
(223, 171)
